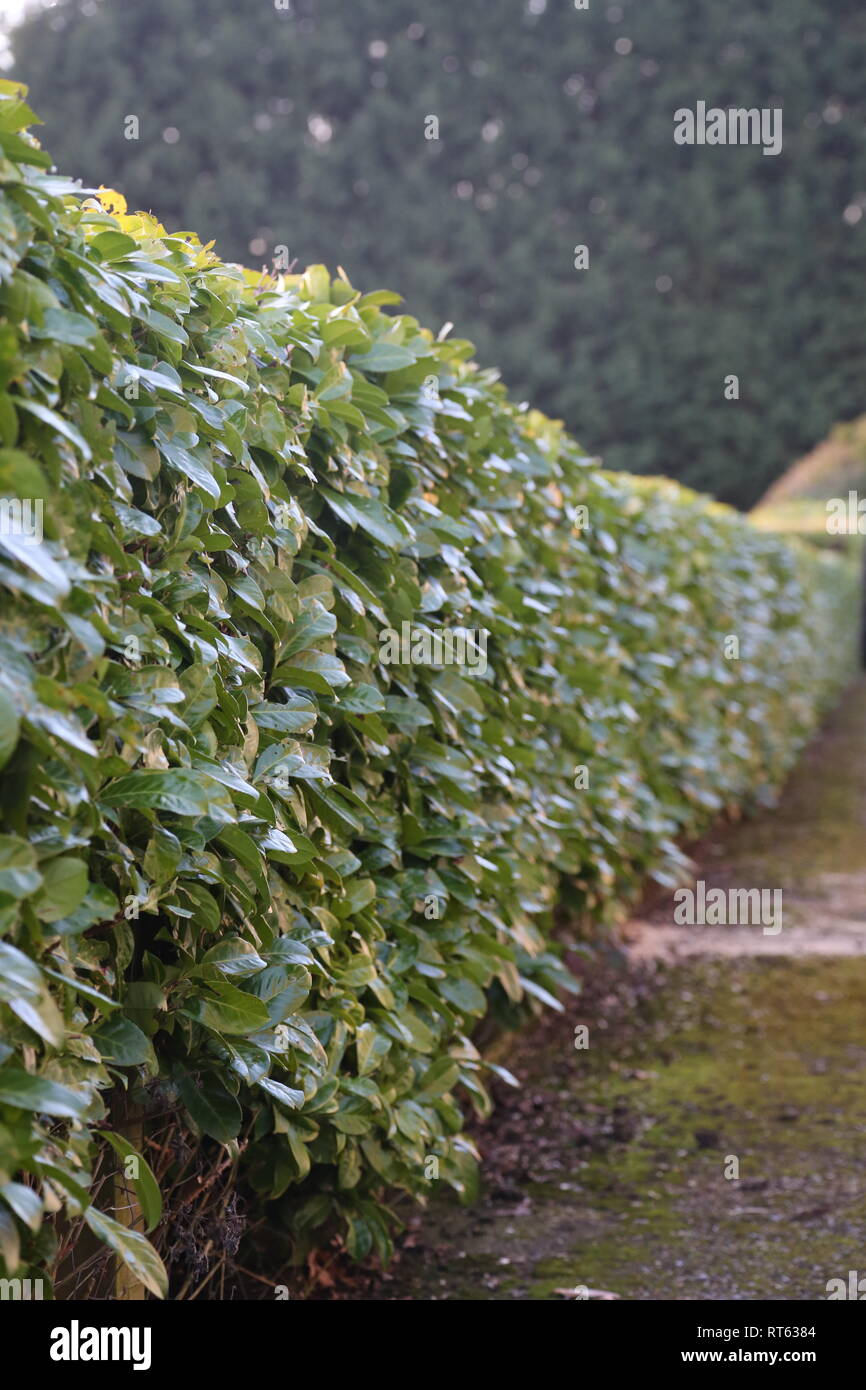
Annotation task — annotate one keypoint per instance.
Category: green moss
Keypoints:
(768, 1068)
(763, 1060)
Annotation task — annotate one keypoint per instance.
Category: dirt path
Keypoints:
(710, 1143)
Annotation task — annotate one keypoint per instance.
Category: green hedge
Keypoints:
(248, 869)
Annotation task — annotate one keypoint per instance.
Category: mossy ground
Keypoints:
(608, 1169)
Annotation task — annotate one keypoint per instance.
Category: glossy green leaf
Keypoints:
(134, 1249)
(138, 1172)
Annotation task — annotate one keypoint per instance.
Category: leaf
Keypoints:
(18, 973)
(112, 246)
(287, 1001)
(372, 1046)
(374, 517)
(313, 670)
(19, 872)
(74, 1192)
(300, 1151)
(362, 699)
(464, 995)
(359, 1238)
(122, 1042)
(296, 849)
(27, 1092)
(349, 1168)
(10, 728)
(297, 716)
(133, 1248)
(185, 463)
(227, 1010)
(503, 1073)
(210, 1106)
(246, 852)
(10, 1243)
(26, 1204)
(162, 856)
(64, 884)
(235, 958)
(184, 793)
(36, 557)
(61, 726)
(58, 423)
(42, 1015)
(534, 988)
(384, 357)
(64, 326)
(101, 1001)
(305, 631)
(438, 1078)
(145, 1184)
(283, 1095)
(250, 1062)
(349, 1123)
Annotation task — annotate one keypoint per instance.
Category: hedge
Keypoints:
(252, 873)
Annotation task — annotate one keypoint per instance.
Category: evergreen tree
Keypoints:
(307, 128)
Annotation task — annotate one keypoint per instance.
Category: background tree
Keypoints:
(305, 128)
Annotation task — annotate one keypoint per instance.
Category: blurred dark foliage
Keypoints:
(554, 132)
